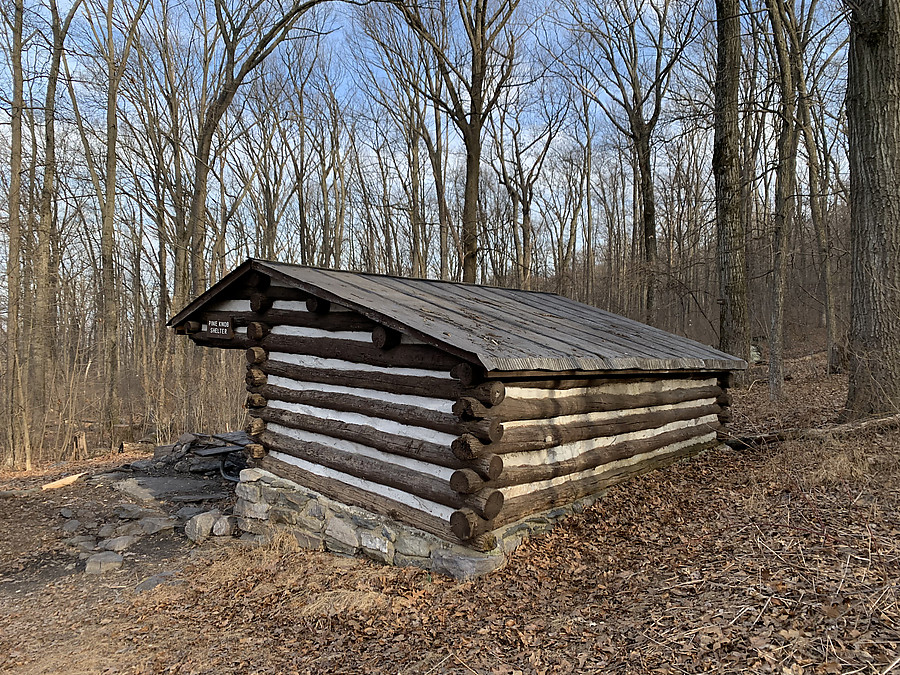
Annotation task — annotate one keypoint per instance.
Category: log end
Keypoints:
(191, 327)
(257, 330)
(466, 481)
(255, 377)
(256, 355)
(467, 374)
(318, 305)
(465, 523)
(260, 303)
(256, 450)
(385, 338)
(467, 447)
(493, 504)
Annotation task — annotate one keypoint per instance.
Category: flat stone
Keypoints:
(315, 510)
(253, 526)
(142, 464)
(340, 536)
(148, 488)
(272, 495)
(132, 511)
(309, 541)
(204, 466)
(200, 497)
(152, 582)
(248, 491)
(276, 481)
(225, 526)
(247, 509)
(279, 514)
(71, 526)
(253, 539)
(376, 547)
(295, 499)
(401, 560)
(464, 566)
(103, 562)
(129, 529)
(251, 475)
(409, 544)
(82, 542)
(188, 512)
(67, 513)
(154, 525)
(309, 524)
(199, 527)
(117, 544)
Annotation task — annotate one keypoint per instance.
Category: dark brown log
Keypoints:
(511, 409)
(489, 467)
(725, 415)
(385, 338)
(466, 481)
(486, 503)
(403, 356)
(235, 342)
(256, 355)
(318, 305)
(432, 387)
(256, 330)
(191, 327)
(724, 399)
(260, 303)
(540, 436)
(255, 450)
(257, 281)
(396, 412)
(255, 426)
(592, 459)
(468, 374)
(255, 377)
(348, 494)
(256, 401)
(490, 430)
(488, 393)
(466, 524)
(524, 505)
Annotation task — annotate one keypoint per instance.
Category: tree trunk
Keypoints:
(470, 204)
(734, 325)
(873, 115)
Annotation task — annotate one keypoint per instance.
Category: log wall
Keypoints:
(375, 419)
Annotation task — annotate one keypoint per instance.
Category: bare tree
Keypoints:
(873, 114)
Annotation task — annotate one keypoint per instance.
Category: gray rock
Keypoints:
(147, 488)
(464, 566)
(103, 562)
(401, 560)
(204, 466)
(251, 475)
(152, 582)
(252, 525)
(315, 510)
(295, 500)
(132, 511)
(199, 527)
(142, 464)
(248, 491)
(340, 536)
(188, 512)
(154, 525)
(410, 544)
(307, 540)
(71, 526)
(253, 539)
(251, 510)
(129, 529)
(224, 526)
(117, 544)
(272, 495)
(68, 514)
(277, 482)
(82, 542)
(376, 547)
(199, 497)
(279, 514)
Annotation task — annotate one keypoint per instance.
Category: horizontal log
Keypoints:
(385, 338)
(519, 507)
(257, 330)
(396, 412)
(487, 393)
(191, 327)
(354, 496)
(318, 305)
(256, 401)
(433, 387)
(468, 374)
(467, 525)
(542, 381)
(255, 377)
(489, 467)
(540, 436)
(486, 503)
(591, 459)
(260, 302)
(256, 355)
(255, 426)
(403, 356)
(512, 409)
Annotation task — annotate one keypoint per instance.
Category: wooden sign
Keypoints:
(220, 328)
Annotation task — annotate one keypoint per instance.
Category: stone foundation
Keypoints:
(268, 504)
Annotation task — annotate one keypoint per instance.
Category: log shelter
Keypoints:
(457, 409)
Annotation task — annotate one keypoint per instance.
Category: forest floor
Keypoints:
(780, 559)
